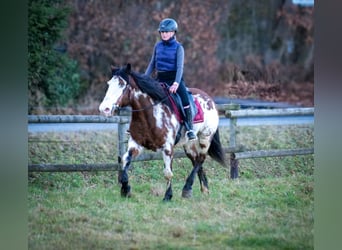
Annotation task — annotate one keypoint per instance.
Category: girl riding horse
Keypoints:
(168, 59)
(154, 126)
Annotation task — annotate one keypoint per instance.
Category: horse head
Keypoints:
(117, 94)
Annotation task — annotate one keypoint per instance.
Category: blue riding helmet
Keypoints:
(168, 24)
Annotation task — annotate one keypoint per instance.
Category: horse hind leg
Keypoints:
(203, 180)
(187, 189)
(204, 143)
(197, 162)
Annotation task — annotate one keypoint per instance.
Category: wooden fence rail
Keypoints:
(77, 119)
(235, 151)
(106, 166)
(235, 114)
(268, 112)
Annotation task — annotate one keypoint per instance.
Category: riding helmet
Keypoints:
(168, 24)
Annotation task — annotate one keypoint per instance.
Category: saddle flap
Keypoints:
(177, 106)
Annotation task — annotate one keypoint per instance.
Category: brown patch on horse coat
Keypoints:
(153, 137)
(134, 152)
(202, 145)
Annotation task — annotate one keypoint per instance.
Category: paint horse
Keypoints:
(154, 125)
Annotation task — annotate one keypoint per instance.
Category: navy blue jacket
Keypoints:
(167, 56)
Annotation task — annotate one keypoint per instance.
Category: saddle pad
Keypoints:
(199, 117)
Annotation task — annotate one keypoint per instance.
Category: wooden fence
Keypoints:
(229, 111)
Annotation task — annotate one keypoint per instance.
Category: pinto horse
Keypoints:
(154, 126)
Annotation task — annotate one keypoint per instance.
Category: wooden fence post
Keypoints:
(123, 113)
(234, 166)
(234, 163)
(232, 132)
(233, 122)
(121, 140)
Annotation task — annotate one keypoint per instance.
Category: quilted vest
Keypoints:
(166, 55)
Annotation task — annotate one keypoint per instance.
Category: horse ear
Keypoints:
(128, 68)
(113, 69)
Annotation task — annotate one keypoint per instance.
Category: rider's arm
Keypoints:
(151, 65)
(180, 64)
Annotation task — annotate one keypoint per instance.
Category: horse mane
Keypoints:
(145, 83)
(151, 87)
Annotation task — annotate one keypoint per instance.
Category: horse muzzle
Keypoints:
(108, 111)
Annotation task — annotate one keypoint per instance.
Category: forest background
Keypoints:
(233, 48)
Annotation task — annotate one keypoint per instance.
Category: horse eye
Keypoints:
(121, 82)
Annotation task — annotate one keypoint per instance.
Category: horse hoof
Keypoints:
(187, 193)
(204, 190)
(126, 195)
(126, 192)
(167, 199)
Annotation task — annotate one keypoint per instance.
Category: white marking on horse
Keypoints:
(138, 93)
(158, 115)
(167, 170)
(115, 90)
(132, 144)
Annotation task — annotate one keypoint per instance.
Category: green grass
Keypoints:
(269, 207)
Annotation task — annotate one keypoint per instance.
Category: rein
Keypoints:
(150, 106)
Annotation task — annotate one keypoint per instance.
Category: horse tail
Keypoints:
(215, 149)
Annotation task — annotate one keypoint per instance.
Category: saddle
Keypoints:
(176, 103)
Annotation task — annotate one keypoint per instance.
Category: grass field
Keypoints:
(269, 207)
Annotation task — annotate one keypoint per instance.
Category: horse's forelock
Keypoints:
(120, 72)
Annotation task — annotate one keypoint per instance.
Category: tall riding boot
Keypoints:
(188, 124)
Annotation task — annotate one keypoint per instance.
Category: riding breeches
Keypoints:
(168, 77)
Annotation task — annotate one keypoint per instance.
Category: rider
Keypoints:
(168, 60)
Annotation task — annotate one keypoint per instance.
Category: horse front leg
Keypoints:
(168, 157)
(123, 174)
(127, 158)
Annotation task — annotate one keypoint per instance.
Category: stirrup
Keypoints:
(191, 135)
